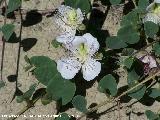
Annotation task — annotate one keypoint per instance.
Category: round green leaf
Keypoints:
(154, 92)
(39, 61)
(142, 5)
(150, 28)
(63, 116)
(108, 82)
(45, 73)
(61, 89)
(56, 44)
(151, 115)
(13, 5)
(156, 48)
(19, 99)
(138, 92)
(115, 43)
(130, 19)
(45, 70)
(128, 34)
(128, 62)
(7, 31)
(84, 5)
(114, 2)
(80, 103)
(132, 77)
(27, 95)
(46, 99)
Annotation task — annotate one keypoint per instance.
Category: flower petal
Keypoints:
(151, 17)
(145, 59)
(153, 62)
(60, 17)
(74, 46)
(80, 17)
(65, 37)
(150, 7)
(92, 43)
(91, 69)
(68, 67)
(157, 1)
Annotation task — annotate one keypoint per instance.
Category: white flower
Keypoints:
(68, 19)
(80, 55)
(149, 60)
(153, 12)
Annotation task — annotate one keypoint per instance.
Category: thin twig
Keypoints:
(3, 43)
(25, 109)
(119, 112)
(134, 2)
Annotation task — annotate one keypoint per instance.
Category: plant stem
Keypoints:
(27, 107)
(134, 2)
(121, 95)
(3, 42)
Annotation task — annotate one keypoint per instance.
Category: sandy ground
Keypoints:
(45, 32)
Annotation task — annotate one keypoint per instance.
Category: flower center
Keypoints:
(82, 52)
(72, 17)
(156, 9)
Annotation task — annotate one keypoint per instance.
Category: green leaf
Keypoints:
(27, 60)
(27, 95)
(154, 92)
(45, 69)
(110, 43)
(46, 99)
(128, 34)
(130, 19)
(56, 44)
(7, 31)
(39, 61)
(84, 5)
(138, 92)
(151, 115)
(142, 5)
(31, 90)
(61, 89)
(80, 103)
(63, 116)
(19, 99)
(156, 48)
(128, 62)
(108, 82)
(13, 5)
(114, 2)
(2, 84)
(150, 28)
(45, 73)
(132, 77)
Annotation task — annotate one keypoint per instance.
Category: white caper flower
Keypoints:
(68, 19)
(80, 55)
(153, 12)
(149, 60)
(149, 63)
